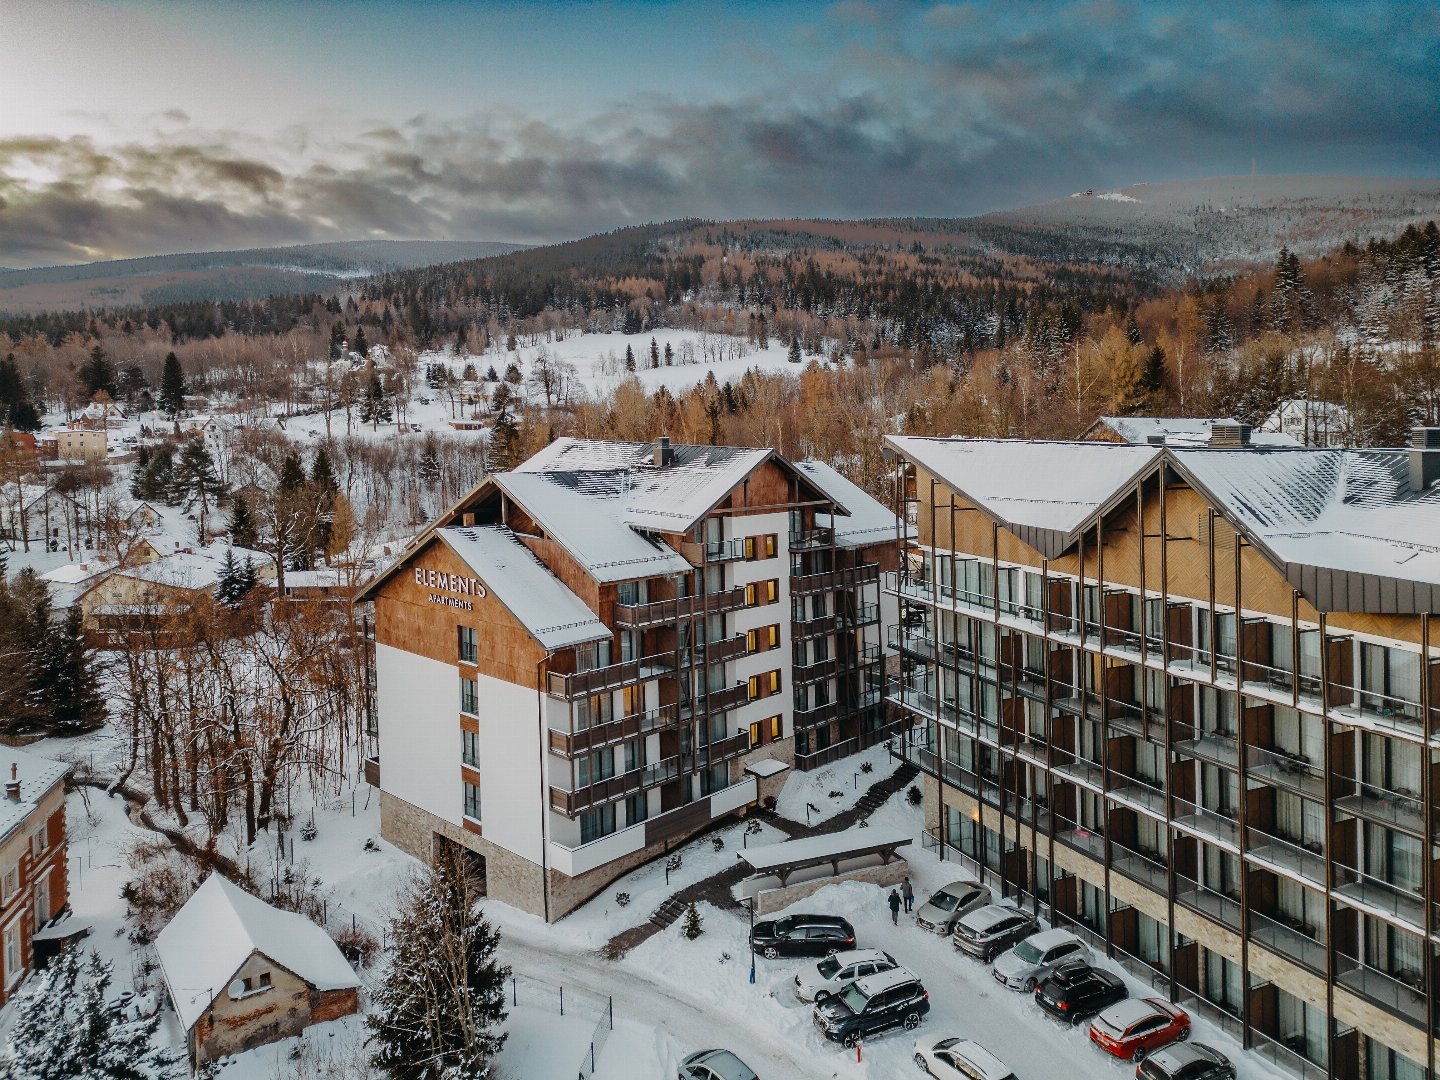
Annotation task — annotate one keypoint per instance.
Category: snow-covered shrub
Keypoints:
(308, 831)
(674, 862)
(370, 844)
(837, 794)
(913, 796)
(752, 827)
(867, 766)
(717, 842)
(622, 899)
(357, 944)
(694, 925)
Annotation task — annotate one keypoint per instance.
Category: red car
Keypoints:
(1132, 1028)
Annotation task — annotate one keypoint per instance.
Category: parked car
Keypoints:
(1076, 991)
(988, 931)
(715, 1065)
(802, 935)
(1135, 1027)
(939, 913)
(835, 973)
(960, 1059)
(1027, 962)
(877, 1003)
(1186, 1061)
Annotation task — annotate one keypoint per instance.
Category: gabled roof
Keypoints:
(37, 775)
(868, 522)
(539, 600)
(668, 499)
(1182, 430)
(1044, 492)
(220, 927)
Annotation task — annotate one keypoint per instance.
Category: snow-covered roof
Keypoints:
(869, 520)
(1348, 510)
(823, 847)
(37, 775)
(542, 603)
(218, 929)
(588, 524)
(193, 569)
(669, 499)
(1043, 490)
(766, 767)
(1184, 430)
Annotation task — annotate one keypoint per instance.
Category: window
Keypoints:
(11, 884)
(637, 808)
(775, 723)
(40, 842)
(762, 592)
(470, 748)
(12, 956)
(472, 800)
(763, 639)
(597, 823)
(42, 901)
(469, 697)
(594, 655)
(467, 644)
(596, 709)
(634, 755)
(595, 766)
(632, 592)
(761, 547)
(714, 778)
(764, 684)
(755, 728)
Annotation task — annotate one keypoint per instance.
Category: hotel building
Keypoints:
(1185, 701)
(595, 655)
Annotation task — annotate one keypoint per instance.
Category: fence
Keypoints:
(538, 993)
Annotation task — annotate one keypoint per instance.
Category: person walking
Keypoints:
(894, 907)
(907, 891)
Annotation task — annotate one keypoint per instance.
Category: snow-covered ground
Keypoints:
(822, 793)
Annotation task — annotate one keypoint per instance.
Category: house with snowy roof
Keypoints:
(602, 651)
(1310, 422)
(34, 888)
(1183, 431)
(241, 973)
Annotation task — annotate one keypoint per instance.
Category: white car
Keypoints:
(959, 1059)
(1031, 961)
(836, 972)
(715, 1065)
(959, 898)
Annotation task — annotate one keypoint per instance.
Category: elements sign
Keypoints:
(449, 583)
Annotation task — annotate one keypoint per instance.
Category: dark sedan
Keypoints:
(802, 935)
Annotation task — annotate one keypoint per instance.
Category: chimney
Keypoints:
(1229, 435)
(664, 456)
(1424, 458)
(12, 789)
(1155, 440)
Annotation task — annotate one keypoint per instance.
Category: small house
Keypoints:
(34, 887)
(241, 973)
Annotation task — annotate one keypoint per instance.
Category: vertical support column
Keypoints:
(1170, 769)
(1328, 758)
(1104, 727)
(1427, 797)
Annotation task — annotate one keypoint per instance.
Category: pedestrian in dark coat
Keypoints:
(908, 892)
(894, 907)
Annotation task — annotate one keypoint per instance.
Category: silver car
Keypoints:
(954, 901)
(1031, 961)
(715, 1065)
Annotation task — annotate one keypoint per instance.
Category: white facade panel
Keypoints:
(418, 702)
(511, 810)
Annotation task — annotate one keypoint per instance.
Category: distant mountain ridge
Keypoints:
(245, 274)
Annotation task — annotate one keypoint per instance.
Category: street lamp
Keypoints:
(751, 906)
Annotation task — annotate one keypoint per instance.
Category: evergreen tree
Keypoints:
(65, 1029)
(361, 346)
(669, 355)
(469, 374)
(67, 682)
(654, 354)
(322, 475)
(154, 473)
(1132, 330)
(512, 373)
(429, 467)
(437, 1013)
(337, 341)
(693, 926)
(241, 524)
(794, 355)
(1152, 376)
(491, 375)
(98, 373)
(375, 408)
(504, 440)
(172, 387)
(132, 382)
(194, 481)
(236, 579)
(629, 358)
(292, 473)
(17, 411)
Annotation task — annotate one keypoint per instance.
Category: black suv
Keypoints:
(1077, 991)
(876, 1003)
(802, 935)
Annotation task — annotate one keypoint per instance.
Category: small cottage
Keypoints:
(241, 973)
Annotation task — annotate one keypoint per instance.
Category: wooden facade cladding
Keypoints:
(406, 619)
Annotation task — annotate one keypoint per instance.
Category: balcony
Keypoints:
(1082, 771)
(827, 580)
(1146, 867)
(567, 744)
(1212, 904)
(1391, 902)
(571, 803)
(820, 714)
(1291, 771)
(599, 680)
(718, 701)
(718, 652)
(810, 539)
(1208, 825)
(1301, 863)
(1141, 793)
(1384, 712)
(832, 753)
(1080, 837)
(1401, 993)
(665, 612)
(840, 621)
(724, 749)
(1289, 938)
(722, 551)
(1278, 680)
(1401, 810)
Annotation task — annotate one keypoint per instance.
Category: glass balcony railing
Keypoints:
(1211, 825)
(1209, 902)
(1285, 769)
(1289, 938)
(1287, 856)
(1400, 993)
(1398, 809)
(1396, 902)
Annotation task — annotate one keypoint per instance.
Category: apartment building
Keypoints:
(600, 652)
(33, 882)
(1185, 700)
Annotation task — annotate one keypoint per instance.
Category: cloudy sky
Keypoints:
(132, 128)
